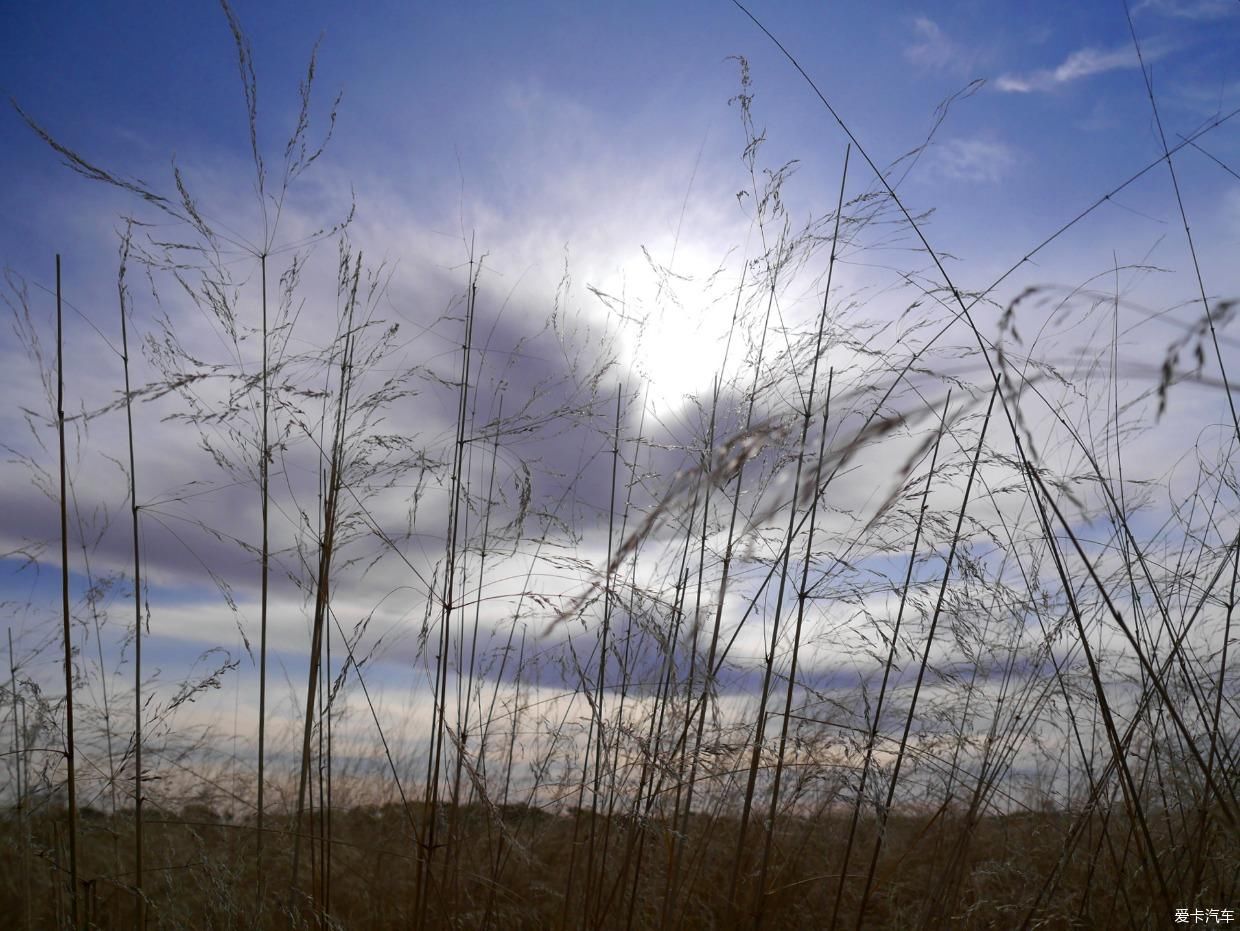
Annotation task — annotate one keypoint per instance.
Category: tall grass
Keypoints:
(140, 901)
(880, 632)
(67, 649)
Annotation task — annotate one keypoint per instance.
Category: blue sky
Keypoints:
(500, 86)
(578, 134)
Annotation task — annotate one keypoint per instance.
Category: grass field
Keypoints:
(920, 617)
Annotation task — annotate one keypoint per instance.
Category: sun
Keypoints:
(675, 326)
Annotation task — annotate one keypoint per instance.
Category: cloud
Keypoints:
(934, 49)
(1080, 64)
(1190, 9)
(984, 160)
(1231, 212)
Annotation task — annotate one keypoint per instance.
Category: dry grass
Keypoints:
(879, 634)
(990, 870)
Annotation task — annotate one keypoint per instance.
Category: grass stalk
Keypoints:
(925, 656)
(447, 603)
(20, 788)
(139, 837)
(335, 479)
(264, 479)
(802, 593)
(600, 743)
(70, 746)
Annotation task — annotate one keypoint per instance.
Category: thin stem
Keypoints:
(139, 897)
(264, 461)
(71, 786)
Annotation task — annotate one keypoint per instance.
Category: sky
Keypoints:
(594, 154)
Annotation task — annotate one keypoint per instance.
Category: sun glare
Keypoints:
(674, 329)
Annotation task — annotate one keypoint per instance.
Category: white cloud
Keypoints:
(1190, 9)
(933, 49)
(1080, 64)
(985, 160)
(1231, 212)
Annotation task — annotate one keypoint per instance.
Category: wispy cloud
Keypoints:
(1231, 211)
(1080, 64)
(1190, 9)
(934, 49)
(976, 159)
